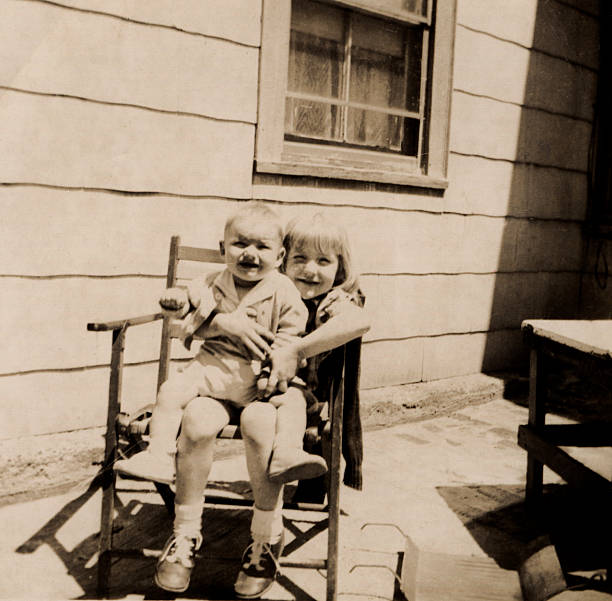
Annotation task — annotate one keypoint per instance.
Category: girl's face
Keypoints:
(312, 271)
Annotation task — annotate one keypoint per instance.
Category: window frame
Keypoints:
(274, 154)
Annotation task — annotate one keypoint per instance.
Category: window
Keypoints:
(356, 89)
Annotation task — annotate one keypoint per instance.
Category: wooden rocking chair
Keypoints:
(131, 428)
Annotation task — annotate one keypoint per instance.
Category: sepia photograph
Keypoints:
(306, 300)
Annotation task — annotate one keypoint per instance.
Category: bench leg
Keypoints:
(537, 415)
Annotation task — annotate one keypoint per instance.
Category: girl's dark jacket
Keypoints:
(323, 376)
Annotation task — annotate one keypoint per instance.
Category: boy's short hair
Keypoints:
(257, 210)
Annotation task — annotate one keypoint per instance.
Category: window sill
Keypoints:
(312, 168)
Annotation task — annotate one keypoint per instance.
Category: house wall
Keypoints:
(124, 122)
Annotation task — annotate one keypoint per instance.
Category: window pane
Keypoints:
(315, 66)
(416, 6)
(312, 119)
(385, 64)
(410, 144)
(373, 129)
(414, 49)
(316, 50)
(377, 63)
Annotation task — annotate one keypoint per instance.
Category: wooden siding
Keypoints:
(71, 143)
(464, 304)
(157, 138)
(519, 76)
(122, 123)
(127, 63)
(232, 20)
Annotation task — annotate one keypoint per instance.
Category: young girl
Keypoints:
(319, 262)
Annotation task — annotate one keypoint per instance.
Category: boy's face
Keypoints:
(252, 249)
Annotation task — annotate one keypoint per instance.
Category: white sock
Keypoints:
(188, 520)
(267, 526)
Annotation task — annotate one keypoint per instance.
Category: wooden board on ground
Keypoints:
(428, 576)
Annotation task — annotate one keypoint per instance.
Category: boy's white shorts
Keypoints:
(229, 379)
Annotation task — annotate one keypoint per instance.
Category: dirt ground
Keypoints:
(32, 467)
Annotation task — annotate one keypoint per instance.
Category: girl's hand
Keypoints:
(284, 365)
(331, 305)
(241, 324)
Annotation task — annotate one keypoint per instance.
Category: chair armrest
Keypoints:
(105, 326)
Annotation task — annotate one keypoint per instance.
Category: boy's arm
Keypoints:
(201, 302)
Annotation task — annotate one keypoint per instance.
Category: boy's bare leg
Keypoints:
(157, 462)
(203, 419)
(289, 460)
(173, 396)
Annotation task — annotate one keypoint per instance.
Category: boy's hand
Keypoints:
(173, 299)
(241, 324)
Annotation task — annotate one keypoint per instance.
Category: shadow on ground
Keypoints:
(576, 523)
(140, 524)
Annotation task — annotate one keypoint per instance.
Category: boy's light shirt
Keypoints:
(275, 298)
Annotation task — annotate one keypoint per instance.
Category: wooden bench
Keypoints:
(587, 346)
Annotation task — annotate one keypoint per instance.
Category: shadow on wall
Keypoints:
(596, 289)
(543, 248)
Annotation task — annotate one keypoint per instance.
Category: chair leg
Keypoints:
(108, 475)
(334, 497)
(332, 533)
(106, 535)
(165, 492)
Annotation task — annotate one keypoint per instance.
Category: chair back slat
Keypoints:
(203, 255)
(180, 256)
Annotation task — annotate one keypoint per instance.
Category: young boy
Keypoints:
(223, 368)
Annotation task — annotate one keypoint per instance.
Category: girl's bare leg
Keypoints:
(290, 418)
(289, 460)
(258, 427)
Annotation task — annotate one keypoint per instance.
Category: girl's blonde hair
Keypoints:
(326, 237)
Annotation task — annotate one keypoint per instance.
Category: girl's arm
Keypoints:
(350, 322)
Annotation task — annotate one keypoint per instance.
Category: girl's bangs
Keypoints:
(325, 239)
